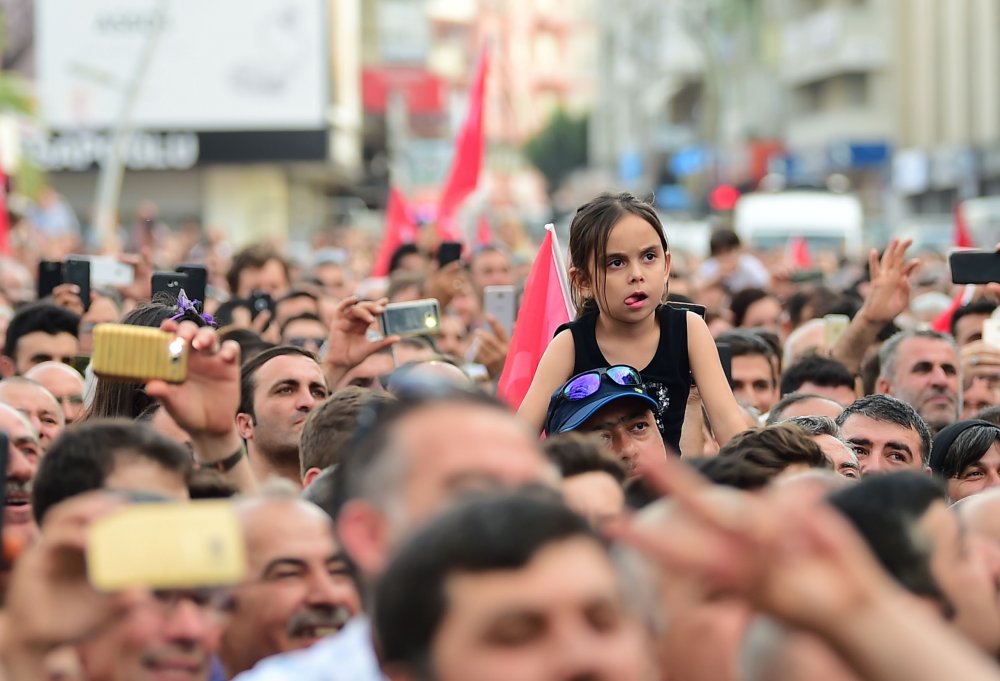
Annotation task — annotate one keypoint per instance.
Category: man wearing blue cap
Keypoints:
(613, 403)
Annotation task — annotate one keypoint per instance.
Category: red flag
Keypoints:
(943, 321)
(399, 229)
(543, 309)
(962, 237)
(484, 233)
(464, 174)
(798, 255)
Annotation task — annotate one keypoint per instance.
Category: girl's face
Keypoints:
(977, 476)
(633, 275)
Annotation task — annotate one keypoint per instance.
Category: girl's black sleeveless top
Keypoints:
(667, 377)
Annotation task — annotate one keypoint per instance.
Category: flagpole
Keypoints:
(557, 256)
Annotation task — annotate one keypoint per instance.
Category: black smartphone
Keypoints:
(974, 267)
(50, 275)
(77, 271)
(692, 307)
(196, 284)
(169, 283)
(449, 252)
(726, 358)
(261, 302)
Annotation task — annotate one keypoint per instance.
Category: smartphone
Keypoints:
(417, 318)
(261, 302)
(110, 272)
(168, 283)
(991, 332)
(50, 275)
(449, 252)
(183, 545)
(196, 284)
(692, 307)
(123, 352)
(726, 358)
(834, 326)
(501, 302)
(974, 267)
(76, 270)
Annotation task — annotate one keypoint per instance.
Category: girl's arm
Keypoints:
(555, 367)
(723, 410)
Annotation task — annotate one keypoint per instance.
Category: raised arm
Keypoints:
(723, 410)
(554, 368)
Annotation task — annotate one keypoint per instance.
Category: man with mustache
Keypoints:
(23, 453)
(298, 586)
(278, 389)
(922, 368)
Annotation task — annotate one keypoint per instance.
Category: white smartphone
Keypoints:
(108, 272)
(501, 302)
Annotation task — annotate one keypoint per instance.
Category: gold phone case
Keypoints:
(167, 545)
(138, 353)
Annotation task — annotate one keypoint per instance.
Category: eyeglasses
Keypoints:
(583, 386)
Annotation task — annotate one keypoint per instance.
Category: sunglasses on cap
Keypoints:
(583, 386)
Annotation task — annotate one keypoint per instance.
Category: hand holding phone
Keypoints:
(501, 303)
(417, 318)
(76, 270)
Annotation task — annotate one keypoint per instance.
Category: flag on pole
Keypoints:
(546, 305)
(797, 255)
(943, 321)
(962, 237)
(400, 229)
(4, 221)
(464, 174)
(484, 232)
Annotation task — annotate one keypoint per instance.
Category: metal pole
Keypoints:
(109, 182)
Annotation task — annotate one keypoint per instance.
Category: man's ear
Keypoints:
(310, 475)
(363, 533)
(882, 386)
(7, 367)
(244, 424)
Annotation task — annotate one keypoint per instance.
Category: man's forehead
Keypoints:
(289, 367)
(919, 347)
(19, 394)
(15, 423)
(859, 425)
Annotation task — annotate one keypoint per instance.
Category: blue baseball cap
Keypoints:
(564, 414)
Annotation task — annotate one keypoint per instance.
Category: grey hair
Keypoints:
(816, 425)
(887, 354)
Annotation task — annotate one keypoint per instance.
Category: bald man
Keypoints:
(38, 404)
(64, 382)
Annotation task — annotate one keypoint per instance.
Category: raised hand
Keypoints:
(492, 347)
(347, 341)
(889, 295)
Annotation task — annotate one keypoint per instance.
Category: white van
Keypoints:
(827, 221)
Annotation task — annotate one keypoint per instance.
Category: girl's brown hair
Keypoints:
(589, 233)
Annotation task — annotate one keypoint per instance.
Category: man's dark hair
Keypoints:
(330, 426)
(44, 317)
(777, 413)
(249, 371)
(888, 409)
(250, 342)
(775, 448)
(742, 300)
(498, 534)
(978, 306)
(305, 316)
(732, 471)
(397, 256)
(968, 448)
(991, 414)
(743, 342)
(575, 454)
(825, 372)
(370, 456)
(82, 458)
(885, 510)
(224, 314)
(252, 257)
(814, 299)
(722, 241)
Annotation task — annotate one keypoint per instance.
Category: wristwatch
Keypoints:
(223, 465)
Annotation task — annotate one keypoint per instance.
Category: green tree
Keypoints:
(559, 148)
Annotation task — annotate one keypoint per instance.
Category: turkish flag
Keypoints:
(464, 174)
(484, 232)
(962, 237)
(943, 321)
(797, 254)
(544, 308)
(400, 228)
(4, 221)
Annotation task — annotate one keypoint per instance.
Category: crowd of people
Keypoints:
(719, 473)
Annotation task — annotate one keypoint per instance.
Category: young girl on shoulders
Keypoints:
(619, 270)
